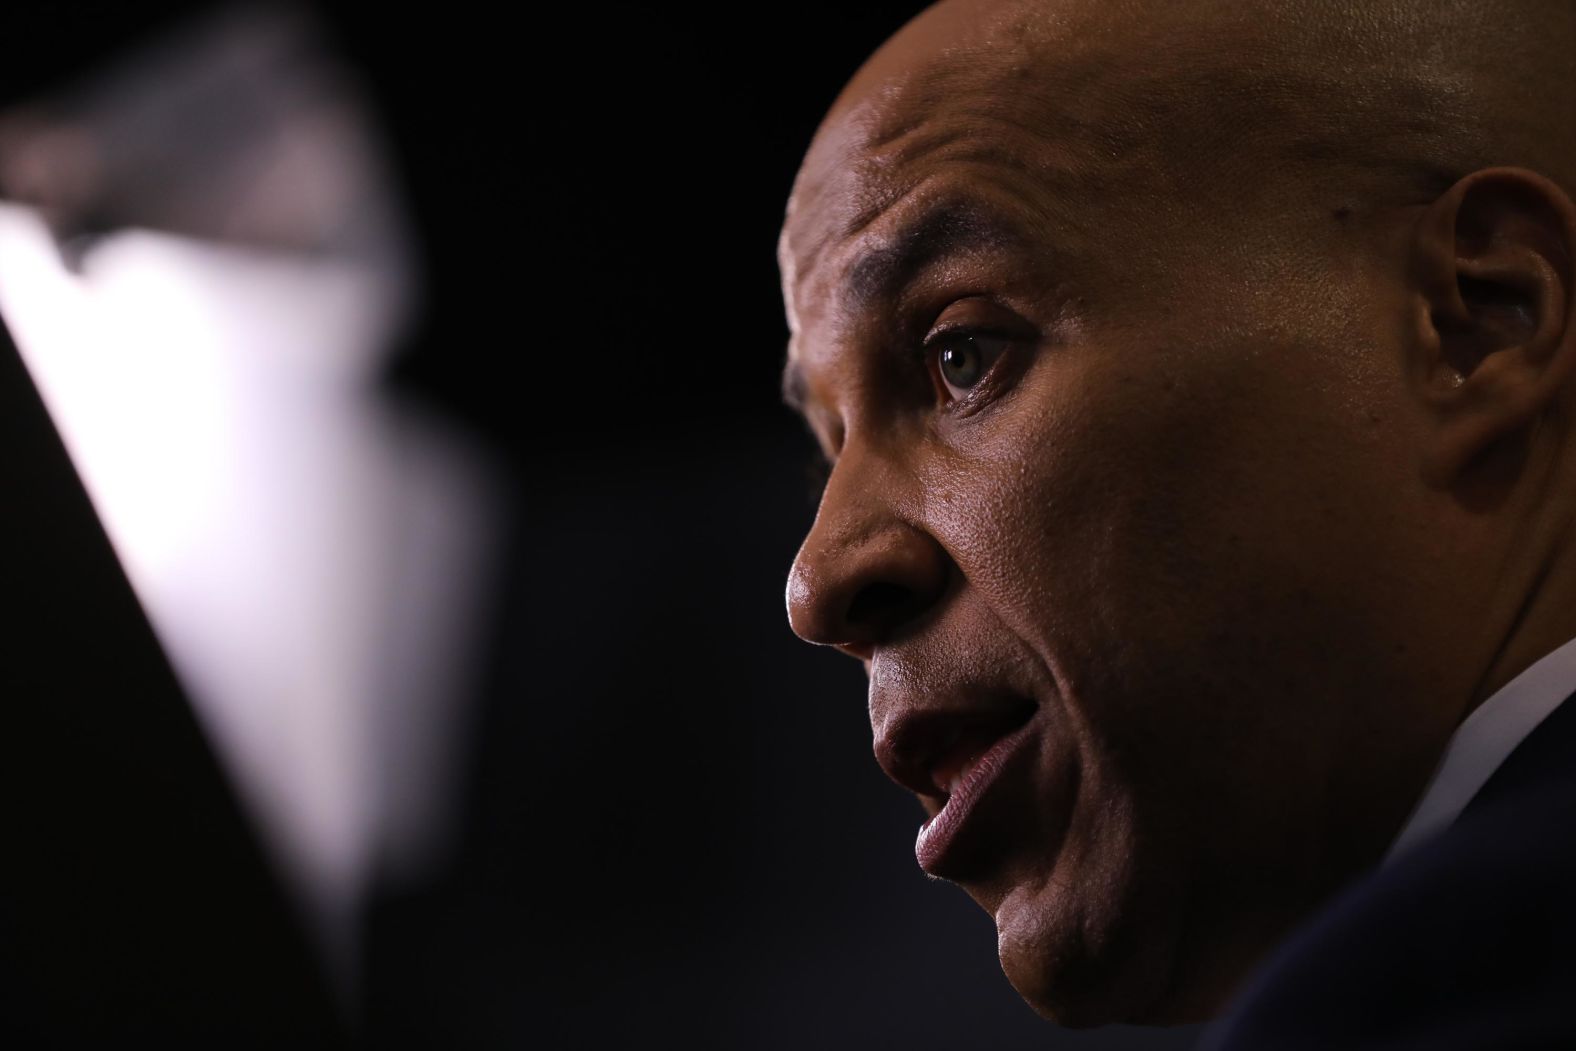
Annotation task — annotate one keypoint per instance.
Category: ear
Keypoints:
(1496, 330)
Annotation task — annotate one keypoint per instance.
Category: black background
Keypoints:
(673, 828)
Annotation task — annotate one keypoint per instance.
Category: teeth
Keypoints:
(951, 784)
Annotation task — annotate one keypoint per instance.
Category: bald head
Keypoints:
(1365, 106)
(1197, 384)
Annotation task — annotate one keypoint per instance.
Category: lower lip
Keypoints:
(938, 835)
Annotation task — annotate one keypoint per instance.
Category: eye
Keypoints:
(964, 358)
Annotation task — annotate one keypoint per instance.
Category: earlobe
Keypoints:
(1495, 339)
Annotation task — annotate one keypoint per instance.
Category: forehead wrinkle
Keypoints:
(966, 208)
(948, 226)
(1029, 126)
(873, 158)
(959, 217)
(1065, 132)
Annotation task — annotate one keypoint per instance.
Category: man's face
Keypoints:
(1120, 519)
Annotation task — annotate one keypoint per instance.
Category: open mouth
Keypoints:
(962, 775)
(952, 757)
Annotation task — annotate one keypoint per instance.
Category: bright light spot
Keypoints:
(216, 404)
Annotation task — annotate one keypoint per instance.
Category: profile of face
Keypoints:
(1156, 497)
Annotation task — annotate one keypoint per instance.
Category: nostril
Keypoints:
(880, 606)
(857, 582)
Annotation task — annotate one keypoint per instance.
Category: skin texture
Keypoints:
(1265, 482)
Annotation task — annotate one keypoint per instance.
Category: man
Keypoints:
(1197, 384)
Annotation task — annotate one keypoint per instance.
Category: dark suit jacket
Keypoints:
(134, 900)
(1467, 942)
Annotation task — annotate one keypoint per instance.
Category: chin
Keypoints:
(1084, 967)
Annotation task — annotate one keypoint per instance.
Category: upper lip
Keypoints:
(920, 743)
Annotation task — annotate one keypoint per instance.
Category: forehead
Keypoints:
(993, 147)
(1102, 119)
(1123, 144)
(1065, 107)
(937, 130)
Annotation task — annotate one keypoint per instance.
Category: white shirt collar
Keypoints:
(1484, 741)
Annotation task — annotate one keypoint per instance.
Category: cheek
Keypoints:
(1073, 504)
(1167, 543)
(1127, 528)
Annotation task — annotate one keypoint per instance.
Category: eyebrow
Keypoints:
(947, 229)
(881, 272)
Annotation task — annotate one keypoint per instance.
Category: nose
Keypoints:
(863, 572)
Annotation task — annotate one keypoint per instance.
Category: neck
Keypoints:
(1539, 612)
